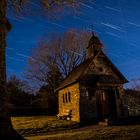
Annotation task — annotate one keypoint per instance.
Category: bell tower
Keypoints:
(94, 46)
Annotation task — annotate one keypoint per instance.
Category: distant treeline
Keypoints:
(22, 102)
(45, 102)
(132, 97)
(30, 112)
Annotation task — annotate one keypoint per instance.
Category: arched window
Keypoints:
(87, 94)
(63, 98)
(66, 97)
(69, 99)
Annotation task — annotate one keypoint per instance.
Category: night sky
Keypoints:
(116, 22)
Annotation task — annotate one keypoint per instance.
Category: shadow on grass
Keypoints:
(10, 135)
(132, 120)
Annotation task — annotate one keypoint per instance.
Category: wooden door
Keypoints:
(102, 103)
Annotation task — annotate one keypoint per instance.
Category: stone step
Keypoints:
(106, 122)
(103, 123)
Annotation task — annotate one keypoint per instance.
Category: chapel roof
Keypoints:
(78, 73)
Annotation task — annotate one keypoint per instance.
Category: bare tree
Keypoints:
(135, 84)
(6, 129)
(64, 52)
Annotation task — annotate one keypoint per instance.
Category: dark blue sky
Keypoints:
(116, 22)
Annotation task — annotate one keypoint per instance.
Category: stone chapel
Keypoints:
(94, 89)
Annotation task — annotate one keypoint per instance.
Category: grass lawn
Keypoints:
(40, 124)
(35, 125)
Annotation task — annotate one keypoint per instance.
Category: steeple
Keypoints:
(94, 46)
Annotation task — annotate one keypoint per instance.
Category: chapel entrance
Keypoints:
(106, 104)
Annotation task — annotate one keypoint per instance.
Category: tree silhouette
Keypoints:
(65, 52)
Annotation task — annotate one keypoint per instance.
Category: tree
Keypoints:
(47, 97)
(64, 52)
(132, 97)
(6, 129)
(135, 84)
(52, 61)
(18, 93)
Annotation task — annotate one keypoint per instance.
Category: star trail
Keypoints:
(117, 23)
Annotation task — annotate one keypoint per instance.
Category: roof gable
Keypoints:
(102, 65)
(93, 66)
(75, 74)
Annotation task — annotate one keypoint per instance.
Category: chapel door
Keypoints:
(102, 104)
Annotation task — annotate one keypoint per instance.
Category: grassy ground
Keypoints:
(40, 124)
(46, 125)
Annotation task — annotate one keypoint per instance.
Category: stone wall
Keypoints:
(72, 104)
(88, 108)
(83, 102)
(122, 107)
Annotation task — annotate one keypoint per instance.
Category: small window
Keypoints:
(104, 96)
(63, 98)
(66, 97)
(100, 69)
(87, 94)
(69, 99)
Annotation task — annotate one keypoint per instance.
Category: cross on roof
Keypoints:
(92, 27)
